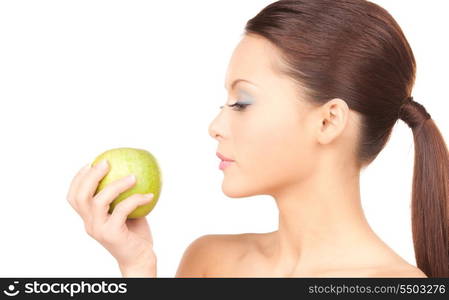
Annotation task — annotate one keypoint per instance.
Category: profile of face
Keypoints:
(275, 137)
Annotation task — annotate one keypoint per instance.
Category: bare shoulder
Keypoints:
(402, 270)
(214, 252)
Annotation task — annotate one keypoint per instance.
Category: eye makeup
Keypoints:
(238, 106)
(241, 105)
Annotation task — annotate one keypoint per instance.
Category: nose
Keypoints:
(214, 130)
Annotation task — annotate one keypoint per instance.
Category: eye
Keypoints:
(239, 106)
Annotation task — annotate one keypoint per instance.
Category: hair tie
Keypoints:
(412, 112)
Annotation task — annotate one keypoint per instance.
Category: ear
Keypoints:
(333, 116)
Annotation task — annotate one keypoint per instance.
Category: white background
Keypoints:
(80, 77)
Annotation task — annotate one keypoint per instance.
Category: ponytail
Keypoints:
(430, 191)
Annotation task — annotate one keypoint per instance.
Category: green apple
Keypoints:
(141, 163)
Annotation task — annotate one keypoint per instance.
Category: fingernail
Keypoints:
(132, 178)
(148, 196)
(103, 164)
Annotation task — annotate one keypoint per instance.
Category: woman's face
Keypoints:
(271, 139)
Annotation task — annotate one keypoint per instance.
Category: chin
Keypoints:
(234, 191)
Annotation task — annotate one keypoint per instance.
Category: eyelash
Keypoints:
(237, 106)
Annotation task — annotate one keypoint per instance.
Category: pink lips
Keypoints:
(225, 162)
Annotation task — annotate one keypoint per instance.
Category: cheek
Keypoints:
(270, 153)
(281, 155)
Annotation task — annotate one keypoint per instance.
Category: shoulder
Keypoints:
(402, 270)
(212, 252)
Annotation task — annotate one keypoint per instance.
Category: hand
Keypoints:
(128, 240)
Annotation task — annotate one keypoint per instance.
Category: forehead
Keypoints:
(254, 59)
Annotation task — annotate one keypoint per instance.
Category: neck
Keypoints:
(321, 221)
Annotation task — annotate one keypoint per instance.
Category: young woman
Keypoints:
(315, 88)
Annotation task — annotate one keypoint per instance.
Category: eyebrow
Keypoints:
(237, 81)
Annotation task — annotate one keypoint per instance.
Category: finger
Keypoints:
(89, 184)
(124, 208)
(74, 185)
(101, 201)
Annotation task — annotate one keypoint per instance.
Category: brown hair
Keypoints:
(354, 50)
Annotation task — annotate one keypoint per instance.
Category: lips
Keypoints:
(223, 158)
